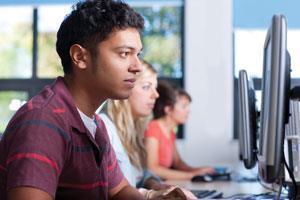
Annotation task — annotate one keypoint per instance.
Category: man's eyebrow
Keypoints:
(128, 47)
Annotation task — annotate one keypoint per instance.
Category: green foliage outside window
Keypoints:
(16, 51)
(162, 39)
(49, 65)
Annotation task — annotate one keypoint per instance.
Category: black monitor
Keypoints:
(275, 100)
(247, 120)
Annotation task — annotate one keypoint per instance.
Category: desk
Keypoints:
(228, 188)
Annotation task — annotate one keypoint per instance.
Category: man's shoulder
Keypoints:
(37, 117)
(53, 102)
(45, 108)
(41, 106)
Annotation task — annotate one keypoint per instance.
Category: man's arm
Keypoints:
(125, 191)
(24, 193)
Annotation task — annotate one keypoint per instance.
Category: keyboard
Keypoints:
(266, 196)
(207, 194)
(211, 177)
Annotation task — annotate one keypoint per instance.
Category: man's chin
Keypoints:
(120, 96)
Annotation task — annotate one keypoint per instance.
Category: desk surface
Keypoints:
(227, 187)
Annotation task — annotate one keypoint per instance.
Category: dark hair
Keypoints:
(90, 23)
(168, 95)
(182, 93)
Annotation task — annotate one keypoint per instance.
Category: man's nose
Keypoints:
(136, 65)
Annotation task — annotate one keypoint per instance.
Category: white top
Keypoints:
(132, 174)
(89, 123)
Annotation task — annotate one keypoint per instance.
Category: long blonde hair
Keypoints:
(130, 130)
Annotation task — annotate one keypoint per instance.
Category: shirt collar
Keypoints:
(60, 89)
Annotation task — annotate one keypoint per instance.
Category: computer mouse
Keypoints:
(202, 178)
(207, 178)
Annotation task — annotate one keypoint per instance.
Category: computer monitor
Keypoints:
(247, 120)
(275, 100)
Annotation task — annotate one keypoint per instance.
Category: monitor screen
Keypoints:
(275, 100)
(247, 121)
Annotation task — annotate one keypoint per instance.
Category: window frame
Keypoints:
(33, 84)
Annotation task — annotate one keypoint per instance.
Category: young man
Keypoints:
(53, 148)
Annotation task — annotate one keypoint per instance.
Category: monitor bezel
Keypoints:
(247, 121)
(275, 99)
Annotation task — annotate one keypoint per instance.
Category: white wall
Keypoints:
(209, 79)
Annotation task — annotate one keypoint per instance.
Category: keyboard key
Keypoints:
(209, 194)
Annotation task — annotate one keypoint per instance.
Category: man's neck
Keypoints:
(84, 100)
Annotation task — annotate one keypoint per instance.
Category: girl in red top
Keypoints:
(171, 109)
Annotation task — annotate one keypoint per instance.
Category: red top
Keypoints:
(47, 146)
(165, 145)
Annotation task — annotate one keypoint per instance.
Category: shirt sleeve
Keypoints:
(153, 130)
(115, 175)
(36, 152)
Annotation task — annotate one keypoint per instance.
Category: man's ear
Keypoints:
(79, 56)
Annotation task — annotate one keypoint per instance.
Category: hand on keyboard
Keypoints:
(203, 170)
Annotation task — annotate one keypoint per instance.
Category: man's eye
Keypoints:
(125, 54)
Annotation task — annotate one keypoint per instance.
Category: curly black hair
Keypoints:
(91, 22)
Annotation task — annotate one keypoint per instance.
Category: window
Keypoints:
(162, 39)
(10, 102)
(248, 50)
(15, 42)
(49, 19)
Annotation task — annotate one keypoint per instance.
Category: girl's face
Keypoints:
(179, 113)
(143, 96)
